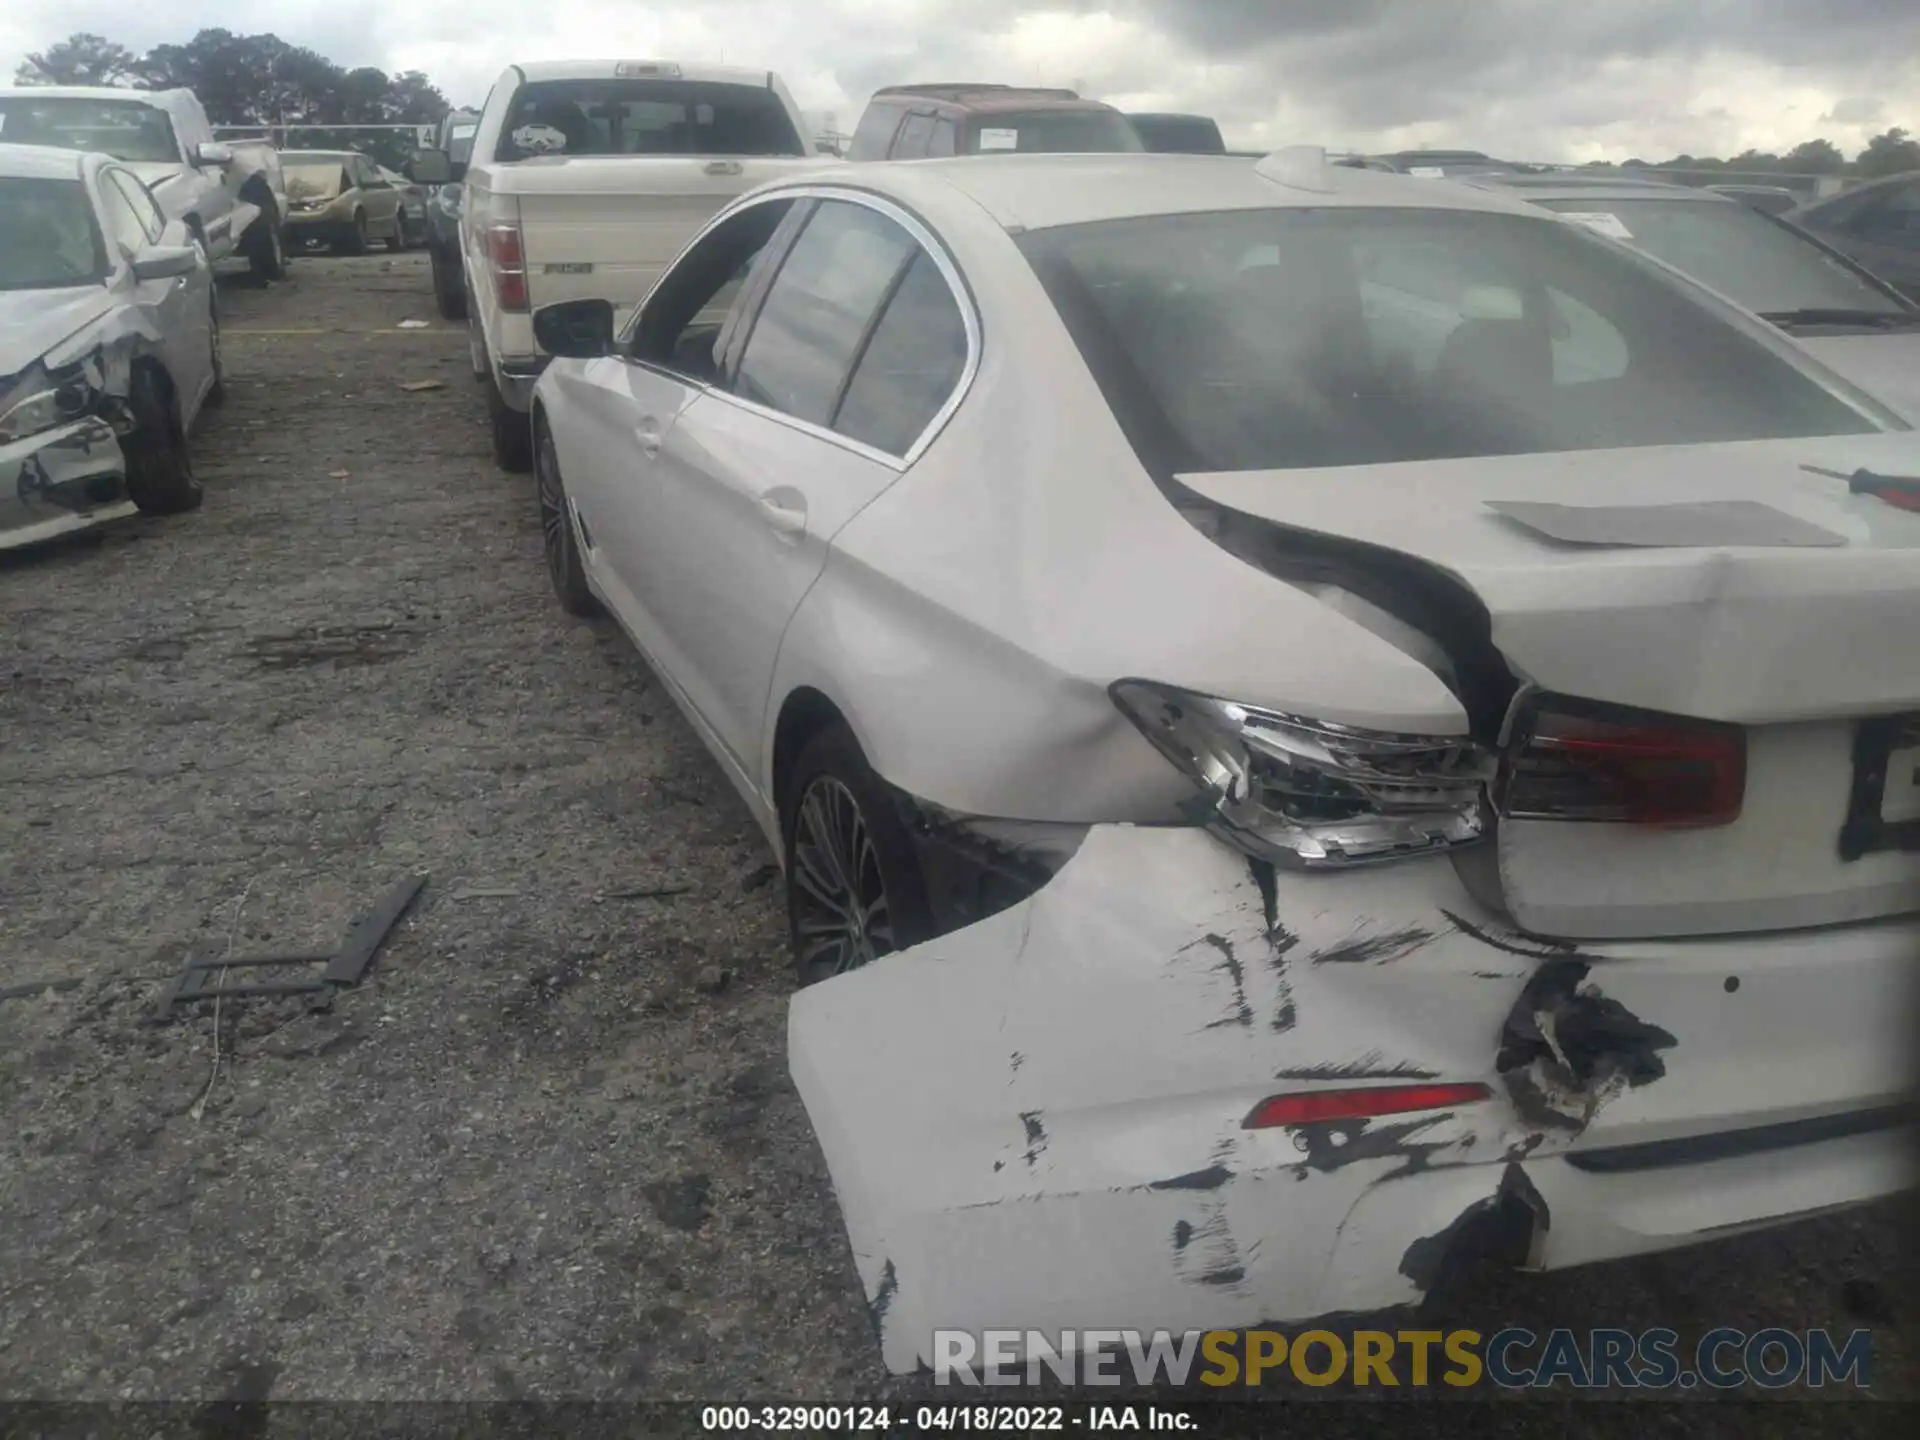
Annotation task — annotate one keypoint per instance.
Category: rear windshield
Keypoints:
(1744, 255)
(48, 238)
(1178, 134)
(646, 117)
(1285, 338)
(127, 130)
(1059, 132)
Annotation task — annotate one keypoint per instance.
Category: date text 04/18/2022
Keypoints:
(943, 1419)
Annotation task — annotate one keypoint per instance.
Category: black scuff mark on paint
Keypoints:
(1367, 1067)
(1206, 1253)
(1521, 1149)
(998, 1166)
(1280, 942)
(1269, 888)
(1526, 947)
(1498, 975)
(1286, 1016)
(1014, 1063)
(1212, 1178)
(1182, 1234)
(1223, 1275)
(1566, 1049)
(1335, 1144)
(1223, 1152)
(1036, 1135)
(1383, 949)
(1242, 1012)
(883, 1297)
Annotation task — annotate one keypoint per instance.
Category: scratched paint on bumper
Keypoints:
(1036, 1122)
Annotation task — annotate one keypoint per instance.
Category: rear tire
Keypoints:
(512, 434)
(557, 537)
(847, 854)
(160, 478)
(397, 241)
(266, 247)
(449, 295)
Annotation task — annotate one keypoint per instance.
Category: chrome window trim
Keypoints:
(922, 236)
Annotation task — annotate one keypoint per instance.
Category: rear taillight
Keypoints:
(1569, 760)
(507, 260)
(1304, 792)
(1308, 1107)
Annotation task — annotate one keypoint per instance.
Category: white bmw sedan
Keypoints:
(1366, 723)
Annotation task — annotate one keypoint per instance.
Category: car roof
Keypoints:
(974, 92)
(40, 162)
(1591, 187)
(85, 92)
(532, 71)
(1040, 191)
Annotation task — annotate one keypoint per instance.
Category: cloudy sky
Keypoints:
(1538, 79)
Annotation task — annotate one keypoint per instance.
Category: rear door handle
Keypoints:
(784, 517)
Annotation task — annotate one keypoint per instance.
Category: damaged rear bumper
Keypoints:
(61, 480)
(1037, 1122)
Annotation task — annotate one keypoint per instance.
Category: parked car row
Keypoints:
(1292, 699)
(109, 345)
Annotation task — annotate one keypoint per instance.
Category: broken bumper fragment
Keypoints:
(61, 480)
(1040, 1122)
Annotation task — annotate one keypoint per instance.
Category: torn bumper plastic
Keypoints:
(1037, 1122)
(61, 480)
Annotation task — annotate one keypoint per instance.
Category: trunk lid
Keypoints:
(1798, 637)
(605, 227)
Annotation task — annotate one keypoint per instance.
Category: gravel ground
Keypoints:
(549, 1148)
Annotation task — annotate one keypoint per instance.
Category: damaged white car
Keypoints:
(109, 347)
(1372, 721)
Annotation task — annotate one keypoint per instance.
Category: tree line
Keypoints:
(1892, 152)
(245, 80)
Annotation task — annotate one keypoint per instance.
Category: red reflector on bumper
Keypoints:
(1364, 1103)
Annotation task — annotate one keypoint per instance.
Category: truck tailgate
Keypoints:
(605, 227)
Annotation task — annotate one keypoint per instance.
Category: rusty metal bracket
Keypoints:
(342, 968)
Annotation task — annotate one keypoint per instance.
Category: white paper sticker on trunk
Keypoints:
(999, 139)
(1427, 172)
(1600, 222)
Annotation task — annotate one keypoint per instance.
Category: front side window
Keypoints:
(1058, 132)
(123, 222)
(48, 236)
(683, 318)
(815, 318)
(915, 135)
(148, 213)
(128, 130)
(1745, 256)
(646, 117)
(1297, 336)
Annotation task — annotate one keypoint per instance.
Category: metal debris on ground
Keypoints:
(645, 892)
(415, 386)
(487, 892)
(341, 969)
(412, 325)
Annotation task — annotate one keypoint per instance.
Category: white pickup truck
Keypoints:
(230, 193)
(586, 180)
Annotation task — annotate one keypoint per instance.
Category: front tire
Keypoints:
(854, 887)
(356, 239)
(561, 545)
(160, 478)
(397, 241)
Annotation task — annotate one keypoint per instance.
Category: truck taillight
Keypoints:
(507, 259)
(1571, 760)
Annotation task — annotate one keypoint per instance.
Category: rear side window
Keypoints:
(646, 117)
(914, 137)
(1295, 337)
(873, 136)
(912, 361)
(815, 318)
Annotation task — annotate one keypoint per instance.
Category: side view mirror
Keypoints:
(428, 167)
(164, 262)
(213, 152)
(575, 329)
